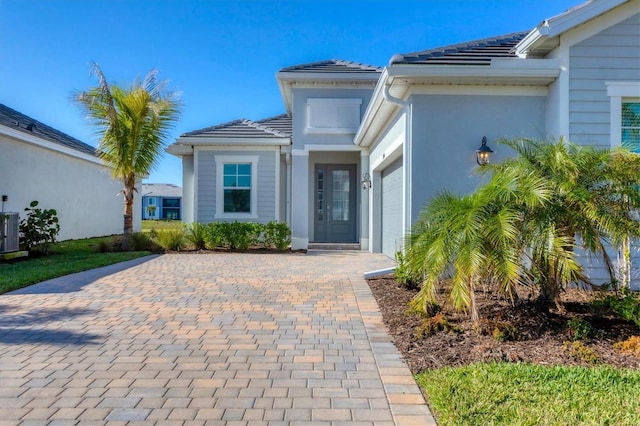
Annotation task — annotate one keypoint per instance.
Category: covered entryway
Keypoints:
(335, 203)
(391, 224)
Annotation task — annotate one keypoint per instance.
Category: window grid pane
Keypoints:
(237, 187)
(631, 126)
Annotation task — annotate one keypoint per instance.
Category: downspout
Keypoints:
(287, 195)
(406, 158)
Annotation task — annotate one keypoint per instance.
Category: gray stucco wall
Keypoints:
(300, 96)
(612, 55)
(446, 131)
(206, 185)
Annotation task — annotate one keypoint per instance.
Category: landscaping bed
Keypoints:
(540, 338)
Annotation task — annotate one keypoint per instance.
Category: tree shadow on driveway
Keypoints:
(42, 326)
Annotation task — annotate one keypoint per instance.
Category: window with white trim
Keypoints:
(236, 186)
(630, 126)
(624, 107)
(333, 115)
(236, 181)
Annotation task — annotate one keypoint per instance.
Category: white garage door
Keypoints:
(392, 232)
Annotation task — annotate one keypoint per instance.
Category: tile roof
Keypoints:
(279, 126)
(160, 190)
(333, 66)
(478, 52)
(18, 121)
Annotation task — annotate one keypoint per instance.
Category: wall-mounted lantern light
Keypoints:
(366, 181)
(483, 153)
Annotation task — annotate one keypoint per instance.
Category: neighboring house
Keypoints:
(38, 162)
(161, 201)
(413, 126)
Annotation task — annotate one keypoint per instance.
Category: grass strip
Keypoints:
(525, 394)
(66, 257)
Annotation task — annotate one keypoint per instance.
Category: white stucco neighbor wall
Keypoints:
(87, 200)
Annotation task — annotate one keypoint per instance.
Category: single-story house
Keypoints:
(161, 201)
(366, 147)
(38, 162)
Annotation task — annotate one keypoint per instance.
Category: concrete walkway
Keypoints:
(233, 339)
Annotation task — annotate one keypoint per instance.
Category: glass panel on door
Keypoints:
(340, 195)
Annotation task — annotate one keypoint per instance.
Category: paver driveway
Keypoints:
(246, 339)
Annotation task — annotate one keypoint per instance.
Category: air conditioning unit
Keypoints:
(9, 237)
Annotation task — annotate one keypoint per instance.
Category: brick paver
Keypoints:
(247, 339)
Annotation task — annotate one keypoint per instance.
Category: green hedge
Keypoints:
(224, 235)
(245, 235)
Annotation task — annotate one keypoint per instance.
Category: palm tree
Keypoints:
(133, 124)
(525, 224)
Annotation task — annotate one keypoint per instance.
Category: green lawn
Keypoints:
(148, 225)
(66, 257)
(525, 394)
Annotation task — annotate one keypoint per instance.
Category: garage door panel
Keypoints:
(392, 232)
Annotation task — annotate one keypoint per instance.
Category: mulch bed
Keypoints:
(541, 336)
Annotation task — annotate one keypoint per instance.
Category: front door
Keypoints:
(335, 203)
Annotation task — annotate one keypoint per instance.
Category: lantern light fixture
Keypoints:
(483, 153)
(366, 181)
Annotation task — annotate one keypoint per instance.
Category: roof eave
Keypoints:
(533, 72)
(44, 143)
(545, 37)
(230, 141)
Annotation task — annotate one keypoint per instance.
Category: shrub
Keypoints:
(498, 329)
(625, 304)
(276, 235)
(141, 241)
(243, 235)
(579, 329)
(435, 324)
(630, 346)
(404, 274)
(196, 235)
(171, 239)
(504, 331)
(39, 229)
(213, 235)
(577, 351)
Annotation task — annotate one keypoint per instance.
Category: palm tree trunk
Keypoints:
(472, 299)
(129, 188)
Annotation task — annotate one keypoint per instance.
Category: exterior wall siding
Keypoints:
(87, 200)
(206, 185)
(444, 150)
(611, 55)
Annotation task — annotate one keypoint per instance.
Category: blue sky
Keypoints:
(222, 55)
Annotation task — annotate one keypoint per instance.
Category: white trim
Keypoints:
(625, 89)
(277, 186)
(299, 152)
(196, 189)
(220, 160)
(204, 140)
(559, 24)
(43, 143)
(235, 148)
(617, 91)
(479, 90)
(391, 154)
(501, 69)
